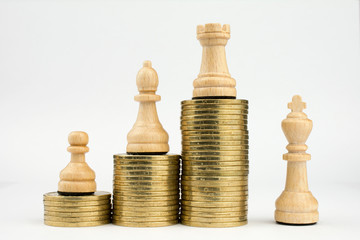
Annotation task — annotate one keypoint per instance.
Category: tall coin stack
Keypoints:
(77, 204)
(146, 179)
(215, 165)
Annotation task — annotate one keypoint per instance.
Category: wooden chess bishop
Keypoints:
(147, 135)
(77, 178)
(296, 204)
(214, 80)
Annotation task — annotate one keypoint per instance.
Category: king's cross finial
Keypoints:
(296, 105)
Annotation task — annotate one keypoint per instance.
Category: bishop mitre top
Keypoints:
(147, 135)
(77, 178)
(214, 79)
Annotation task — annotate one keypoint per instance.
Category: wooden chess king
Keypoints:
(296, 204)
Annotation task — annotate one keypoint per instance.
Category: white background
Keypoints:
(71, 65)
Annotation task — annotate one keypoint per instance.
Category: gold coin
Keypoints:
(214, 188)
(142, 198)
(145, 224)
(215, 194)
(209, 132)
(214, 160)
(148, 183)
(146, 203)
(220, 158)
(215, 143)
(213, 225)
(215, 173)
(214, 107)
(146, 219)
(218, 169)
(215, 138)
(213, 204)
(210, 153)
(77, 214)
(146, 193)
(146, 173)
(173, 187)
(213, 220)
(76, 219)
(215, 101)
(213, 122)
(212, 127)
(76, 204)
(214, 214)
(76, 224)
(164, 157)
(215, 163)
(145, 214)
(215, 179)
(215, 148)
(214, 210)
(146, 168)
(213, 183)
(132, 162)
(217, 199)
(122, 208)
(77, 209)
(146, 178)
(54, 196)
(214, 117)
(214, 111)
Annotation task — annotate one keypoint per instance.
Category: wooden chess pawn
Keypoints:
(296, 204)
(214, 79)
(77, 178)
(147, 135)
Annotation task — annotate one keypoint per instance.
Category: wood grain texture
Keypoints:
(214, 79)
(147, 134)
(77, 176)
(296, 204)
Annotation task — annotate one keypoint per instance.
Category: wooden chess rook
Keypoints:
(77, 178)
(214, 79)
(147, 135)
(296, 204)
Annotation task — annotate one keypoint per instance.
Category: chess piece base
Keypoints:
(146, 153)
(296, 218)
(75, 193)
(214, 97)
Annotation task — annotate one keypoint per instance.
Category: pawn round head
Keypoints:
(147, 79)
(78, 138)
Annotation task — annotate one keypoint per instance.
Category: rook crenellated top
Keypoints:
(213, 30)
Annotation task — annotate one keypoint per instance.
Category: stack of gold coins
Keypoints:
(77, 211)
(146, 190)
(215, 166)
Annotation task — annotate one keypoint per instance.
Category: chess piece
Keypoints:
(147, 135)
(77, 178)
(214, 80)
(296, 204)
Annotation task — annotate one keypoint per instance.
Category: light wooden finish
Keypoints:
(214, 79)
(296, 204)
(147, 134)
(77, 176)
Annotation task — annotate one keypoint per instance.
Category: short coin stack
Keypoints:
(215, 164)
(77, 211)
(146, 190)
